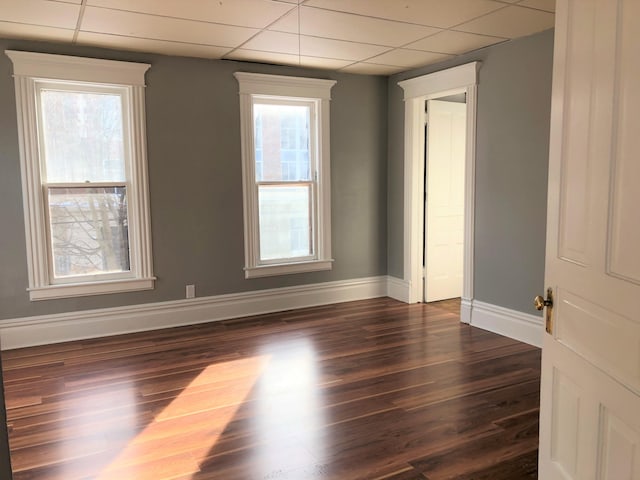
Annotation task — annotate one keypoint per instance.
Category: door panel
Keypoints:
(607, 339)
(624, 236)
(620, 449)
(574, 174)
(590, 394)
(444, 220)
(565, 436)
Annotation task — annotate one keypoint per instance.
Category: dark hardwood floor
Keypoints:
(371, 390)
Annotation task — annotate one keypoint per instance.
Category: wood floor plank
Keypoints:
(366, 390)
(518, 436)
(522, 467)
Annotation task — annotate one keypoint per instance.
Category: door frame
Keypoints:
(463, 78)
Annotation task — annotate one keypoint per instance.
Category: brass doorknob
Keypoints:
(540, 302)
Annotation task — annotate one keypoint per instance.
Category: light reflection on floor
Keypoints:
(179, 426)
(289, 412)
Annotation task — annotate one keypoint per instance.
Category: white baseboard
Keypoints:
(398, 289)
(63, 327)
(510, 323)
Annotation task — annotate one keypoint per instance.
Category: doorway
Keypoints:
(443, 212)
(417, 90)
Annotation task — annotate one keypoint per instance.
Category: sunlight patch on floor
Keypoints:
(190, 426)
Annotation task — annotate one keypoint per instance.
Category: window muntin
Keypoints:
(84, 174)
(286, 179)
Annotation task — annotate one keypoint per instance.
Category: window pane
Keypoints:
(281, 135)
(89, 230)
(83, 139)
(285, 230)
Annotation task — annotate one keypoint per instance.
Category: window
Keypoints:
(285, 154)
(83, 161)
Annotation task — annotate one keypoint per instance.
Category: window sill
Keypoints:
(287, 268)
(94, 288)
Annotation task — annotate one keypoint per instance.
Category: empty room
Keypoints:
(319, 239)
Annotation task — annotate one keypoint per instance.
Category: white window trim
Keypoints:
(312, 89)
(30, 68)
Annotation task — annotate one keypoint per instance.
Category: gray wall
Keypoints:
(193, 142)
(514, 101)
(195, 176)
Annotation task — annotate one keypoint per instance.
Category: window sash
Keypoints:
(310, 183)
(89, 277)
(313, 230)
(84, 88)
(313, 133)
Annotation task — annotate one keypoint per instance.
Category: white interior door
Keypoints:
(444, 200)
(590, 397)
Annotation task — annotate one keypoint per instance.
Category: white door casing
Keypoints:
(590, 390)
(444, 200)
(460, 79)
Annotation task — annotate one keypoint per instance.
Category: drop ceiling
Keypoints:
(378, 37)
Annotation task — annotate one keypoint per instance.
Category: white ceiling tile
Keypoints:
(435, 13)
(338, 49)
(286, 59)
(35, 32)
(244, 13)
(101, 20)
(454, 42)
(40, 12)
(153, 46)
(371, 69)
(329, 63)
(355, 28)
(401, 57)
(548, 5)
(353, 35)
(279, 42)
(263, 57)
(288, 23)
(510, 22)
